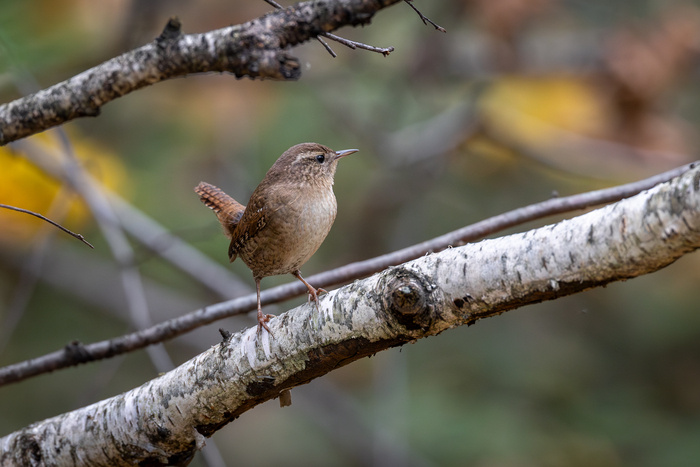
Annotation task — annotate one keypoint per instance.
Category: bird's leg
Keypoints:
(262, 319)
(313, 293)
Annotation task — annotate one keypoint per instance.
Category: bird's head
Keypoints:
(311, 163)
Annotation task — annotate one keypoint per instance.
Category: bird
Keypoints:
(286, 219)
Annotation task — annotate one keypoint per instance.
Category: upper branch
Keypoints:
(256, 49)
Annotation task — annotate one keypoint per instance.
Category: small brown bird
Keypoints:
(287, 218)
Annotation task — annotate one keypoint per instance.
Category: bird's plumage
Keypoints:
(288, 216)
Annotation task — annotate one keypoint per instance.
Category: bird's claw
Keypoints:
(262, 322)
(313, 296)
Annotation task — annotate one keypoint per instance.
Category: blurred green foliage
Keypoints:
(610, 377)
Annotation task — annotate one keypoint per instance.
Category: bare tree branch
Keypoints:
(256, 49)
(167, 419)
(55, 224)
(180, 325)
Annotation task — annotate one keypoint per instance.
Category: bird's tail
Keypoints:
(227, 209)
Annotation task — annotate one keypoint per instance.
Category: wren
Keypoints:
(287, 217)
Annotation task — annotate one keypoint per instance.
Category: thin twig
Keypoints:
(55, 224)
(323, 43)
(424, 18)
(31, 269)
(183, 324)
(346, 42)
(358, 45)
(327, 47)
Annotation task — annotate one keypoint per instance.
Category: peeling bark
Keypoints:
(167, 419)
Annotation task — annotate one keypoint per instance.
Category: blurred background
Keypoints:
(521, 99)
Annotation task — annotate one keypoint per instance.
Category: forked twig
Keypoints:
(55, 224)
(346, 42)
(327, 47)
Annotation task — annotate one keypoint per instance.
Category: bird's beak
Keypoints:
(345, 152)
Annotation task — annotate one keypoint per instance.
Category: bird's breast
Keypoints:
(293, 232)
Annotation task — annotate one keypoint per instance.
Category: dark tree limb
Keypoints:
(183, 324)
(256, 49)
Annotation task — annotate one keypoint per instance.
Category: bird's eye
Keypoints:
(320, 158)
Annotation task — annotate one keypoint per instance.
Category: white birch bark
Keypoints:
(167, 419)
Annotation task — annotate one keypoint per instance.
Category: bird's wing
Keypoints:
(260, 209)
(254, 219)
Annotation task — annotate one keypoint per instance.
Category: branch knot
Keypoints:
(408, 298)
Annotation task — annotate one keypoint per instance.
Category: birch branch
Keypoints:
(77, 353)
(168, 418)
(256, 49)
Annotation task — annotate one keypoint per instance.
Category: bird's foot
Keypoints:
(263, 319)
(314, 293)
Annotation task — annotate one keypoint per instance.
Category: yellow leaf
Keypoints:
(24, 185)
(534, 110)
